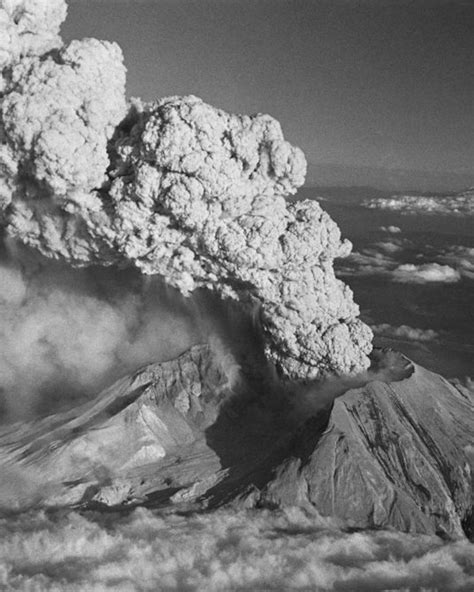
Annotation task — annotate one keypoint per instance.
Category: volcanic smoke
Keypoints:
(175, 188)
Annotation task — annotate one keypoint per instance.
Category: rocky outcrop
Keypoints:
(116, 448)
(181, 435)
(392, 454)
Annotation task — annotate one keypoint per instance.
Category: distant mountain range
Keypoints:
(386, 179)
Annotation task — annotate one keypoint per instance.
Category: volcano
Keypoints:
(199, 199)
(389, 452)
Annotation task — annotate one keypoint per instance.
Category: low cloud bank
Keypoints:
(402, 260)
(391, 229)
(245, 550)
(405, 332)
(460, 256)
(425, 273)
(458, 204)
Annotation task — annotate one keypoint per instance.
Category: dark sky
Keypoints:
(385, 83)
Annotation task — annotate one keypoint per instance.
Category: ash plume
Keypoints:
(175, 188)
(66, 333)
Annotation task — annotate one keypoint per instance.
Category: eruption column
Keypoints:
(174, 187)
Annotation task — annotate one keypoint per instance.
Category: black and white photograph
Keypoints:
(236, 295)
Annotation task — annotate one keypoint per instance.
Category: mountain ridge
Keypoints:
(179, 435)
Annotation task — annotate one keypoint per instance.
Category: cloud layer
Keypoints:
(245, 550)
(425, 273)
(405, 261)
(405, 332)
(458, 204)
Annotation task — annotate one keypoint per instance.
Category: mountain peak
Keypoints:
(385, 452)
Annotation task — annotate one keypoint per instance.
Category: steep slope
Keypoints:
(92, 451)
(392, 455)
(180, 435)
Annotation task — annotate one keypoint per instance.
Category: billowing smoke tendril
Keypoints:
(65, 334)
(174, 187)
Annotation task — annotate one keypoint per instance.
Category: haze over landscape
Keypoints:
(237, 350)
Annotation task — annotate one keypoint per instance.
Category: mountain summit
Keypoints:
(180, 435)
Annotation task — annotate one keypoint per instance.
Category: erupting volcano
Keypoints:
(196, 199)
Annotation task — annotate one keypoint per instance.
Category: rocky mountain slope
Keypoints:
(387, 453)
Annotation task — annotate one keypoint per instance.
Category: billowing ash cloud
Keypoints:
(66, 334)
(175, 188)
(29, 27)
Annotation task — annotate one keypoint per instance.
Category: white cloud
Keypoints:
(222, 550)
(390, 247)
(428, 264)
(405, 332)
(459, 204)
(460, 256)
(391, 229)
(369, 261)
(425, 273)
